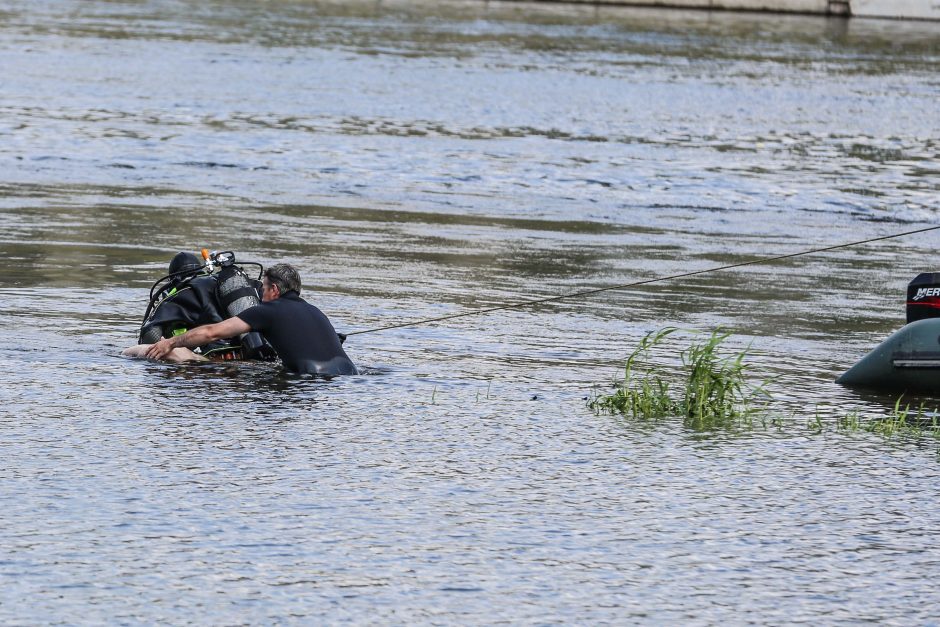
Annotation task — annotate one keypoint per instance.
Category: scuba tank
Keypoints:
(236, 293)
(150, 334)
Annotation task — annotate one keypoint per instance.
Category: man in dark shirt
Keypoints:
(300, 333)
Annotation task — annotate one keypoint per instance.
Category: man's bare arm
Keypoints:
(199, 336)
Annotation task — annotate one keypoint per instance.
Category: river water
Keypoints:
(419, 159)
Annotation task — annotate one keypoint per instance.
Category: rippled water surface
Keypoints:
(419, 159)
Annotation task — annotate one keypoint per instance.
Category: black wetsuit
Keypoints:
(192, 305)
(301, 335)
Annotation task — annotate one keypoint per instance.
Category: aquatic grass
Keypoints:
(816, 424)
(710, 390)
(914, 425)
(646, 399)
(488, 385)
(851, 421)
(714, 391)
(717, 393)
(901, 420)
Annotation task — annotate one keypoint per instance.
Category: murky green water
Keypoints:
(420, 159)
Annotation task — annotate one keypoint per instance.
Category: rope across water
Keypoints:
(591, 292)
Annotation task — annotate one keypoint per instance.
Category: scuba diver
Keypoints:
(281, 324)
(191, 296)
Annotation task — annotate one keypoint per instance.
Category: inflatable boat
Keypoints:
(909, 360)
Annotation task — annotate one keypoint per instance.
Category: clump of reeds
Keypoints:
(709, 390)
(714, 391)
(717, 393)
(642, 395)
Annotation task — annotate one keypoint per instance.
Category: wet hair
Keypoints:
(285, 276)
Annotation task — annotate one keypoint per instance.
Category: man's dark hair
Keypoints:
(285, 276)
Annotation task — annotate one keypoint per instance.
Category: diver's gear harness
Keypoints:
(233, 292)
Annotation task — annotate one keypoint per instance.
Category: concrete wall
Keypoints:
(798, 6)
(909, 9)
(788, 6)
(899, 9)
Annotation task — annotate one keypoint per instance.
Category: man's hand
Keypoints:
(161, 349)
(198, 337)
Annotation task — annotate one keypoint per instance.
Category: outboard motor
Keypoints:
(236, 293)
(923, 297)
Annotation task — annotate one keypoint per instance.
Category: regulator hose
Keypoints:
(187, 276)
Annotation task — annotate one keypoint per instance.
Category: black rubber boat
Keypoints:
(909, 360)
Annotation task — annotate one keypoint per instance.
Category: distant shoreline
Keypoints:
(883, 9)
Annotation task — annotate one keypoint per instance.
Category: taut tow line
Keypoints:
(591, 292)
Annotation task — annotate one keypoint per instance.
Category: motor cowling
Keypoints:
(923, 297)
(236, 293)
